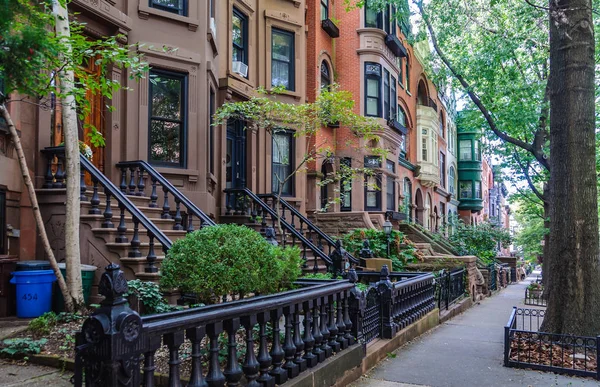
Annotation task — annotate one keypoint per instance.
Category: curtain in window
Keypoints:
(465, 150)
(282, 57)
(282, 161)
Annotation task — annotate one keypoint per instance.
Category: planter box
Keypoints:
(396, 46)
(331, 29)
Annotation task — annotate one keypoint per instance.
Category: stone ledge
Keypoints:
(455, 310)
(378, 350)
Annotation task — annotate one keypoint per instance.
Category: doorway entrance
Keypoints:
(235, 169)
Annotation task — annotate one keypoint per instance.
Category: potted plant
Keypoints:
(535, 290)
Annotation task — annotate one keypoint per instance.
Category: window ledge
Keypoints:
(144, 11)
(288, 93)
(176, 171)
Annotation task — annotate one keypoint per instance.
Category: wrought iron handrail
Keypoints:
(330, 242)
(157, 177)
(451, 287)
(286, 226)
(55, 180)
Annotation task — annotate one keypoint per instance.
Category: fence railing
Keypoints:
(56, 178)
(245, 202)
(281, 334)
(493, 285)
(133, 171)
(526, 347)
(451, 287)
(535, 298)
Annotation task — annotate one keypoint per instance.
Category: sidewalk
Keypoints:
(24, 374)
(465, 351)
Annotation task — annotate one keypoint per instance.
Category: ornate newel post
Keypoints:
(386, 289)
(339, 257)
(356, 307)
(110, 343)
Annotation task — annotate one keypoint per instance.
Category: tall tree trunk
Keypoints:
(34, 206)
(574, 287)
(72, 163)
(545, 250)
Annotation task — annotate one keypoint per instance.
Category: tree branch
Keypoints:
(525, 169)
(476, 100)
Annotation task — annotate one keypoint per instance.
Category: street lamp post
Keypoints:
(387, 228)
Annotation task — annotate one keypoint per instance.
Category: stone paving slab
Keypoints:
(465, 351)
(19, 374)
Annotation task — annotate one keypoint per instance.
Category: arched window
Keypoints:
(325, 75)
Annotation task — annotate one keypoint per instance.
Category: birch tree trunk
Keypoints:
(574, 264)
(34, 206)
(72, 162)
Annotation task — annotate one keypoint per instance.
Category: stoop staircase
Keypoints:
(426, 241)
(135, 224)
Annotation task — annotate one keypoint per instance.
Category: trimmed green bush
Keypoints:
(228, 260)
(402, 250)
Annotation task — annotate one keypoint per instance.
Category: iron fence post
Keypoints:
(385, 287)
(111, 337)
(448, 284)
(356, 307)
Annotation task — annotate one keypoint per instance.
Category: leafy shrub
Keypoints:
(43, 324)
(226, 260)
(318, 276)
(402, 250)
(480, 240)
(149, 295)
(22, 346)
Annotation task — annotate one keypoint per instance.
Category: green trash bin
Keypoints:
(87, 280)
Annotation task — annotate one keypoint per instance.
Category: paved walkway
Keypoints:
(465, 351)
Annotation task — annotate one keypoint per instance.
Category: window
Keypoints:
(465, 150)
(282, 59)
(478, 189)
(393, 98)
(346, 186)
(325, 76)
(386, 94)
(373, 19)
(282, 165)
(466, 189)
(178, 7)
(407, 197)
(477, 151)
(442, 131)
(211, 132)
(399, 65)
(389, 19)
(401, 118)
(3, 249)
(390, 187)
(239, 36)
(407, 75)
(372, 192)
(168, 101)
(424, 141)
(373, 89)
(324, 9)
(442, 170)
(451, 180)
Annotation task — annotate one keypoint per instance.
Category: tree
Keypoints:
(481, 240)
(31, 59)
(529, 214)
(331, 106)
(574, 287)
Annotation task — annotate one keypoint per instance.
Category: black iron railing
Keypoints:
(323, 239)
(315, 319)
(133, 172)
(451, 287)
(526, 347)
(535, 298)
(242, 201)
(492, 277)
(56, 178)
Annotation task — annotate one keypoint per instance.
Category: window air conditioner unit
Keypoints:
(240, 68)
(213, 26)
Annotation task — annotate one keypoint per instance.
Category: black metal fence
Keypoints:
(493, 285)
(292, 331)
(450, 287)
(526, 347)
(535, 298)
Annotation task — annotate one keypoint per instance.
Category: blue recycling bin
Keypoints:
(34, 292)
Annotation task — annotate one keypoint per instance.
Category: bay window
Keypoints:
(424, 144)
(466, 189)
(386, 94)
(476, 151)
(451, 180)
(373, 89)
(346, 185)
(372, 192)
(464, 149)
(390, 186)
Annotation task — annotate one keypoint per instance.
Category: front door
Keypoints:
(93, 119)
(235, 170)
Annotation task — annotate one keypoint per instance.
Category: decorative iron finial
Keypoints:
(270, 236)
(366, 251)
(113, 285)
(352, 276)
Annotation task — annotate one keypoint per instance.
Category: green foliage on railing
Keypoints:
(228, 260)
(402, 250)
